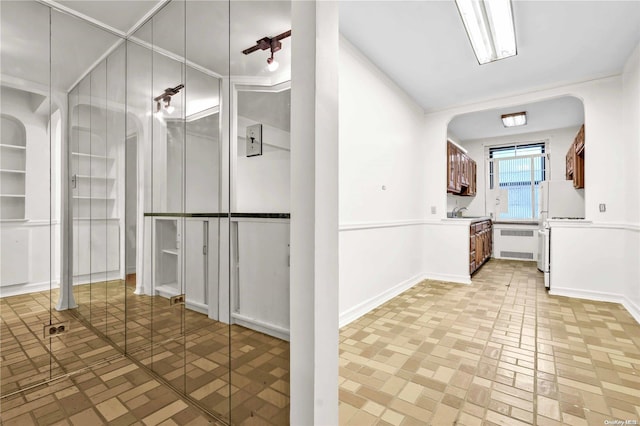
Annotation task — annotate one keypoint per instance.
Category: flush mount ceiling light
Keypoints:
(515, 119)
(490, 27)
(166, 98)
(272, 43)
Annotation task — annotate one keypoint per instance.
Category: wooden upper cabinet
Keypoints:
(461, 172)
(579, 142)
(570, 160)
(575, 160)
(464, 172)
(451, 167)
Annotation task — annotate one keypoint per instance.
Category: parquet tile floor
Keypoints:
(500, 351)
(91, 382)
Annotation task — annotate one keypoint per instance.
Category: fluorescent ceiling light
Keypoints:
(514, 119)
(489, 25)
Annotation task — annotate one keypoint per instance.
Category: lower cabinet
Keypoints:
(480, 244)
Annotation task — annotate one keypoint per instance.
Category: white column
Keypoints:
(314, 213)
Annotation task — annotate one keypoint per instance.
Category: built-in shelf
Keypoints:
(94, 177)
(81, 128)
(94, 156)
(168, 290)
(13, 165)
(96, 218)
(4, 145)
(172, 252)
(81, 197)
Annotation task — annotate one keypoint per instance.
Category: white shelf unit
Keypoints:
(13, 162)
(94, 197)
(167, 258)
(93, 175)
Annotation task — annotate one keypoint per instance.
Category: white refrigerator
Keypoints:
(556, 200)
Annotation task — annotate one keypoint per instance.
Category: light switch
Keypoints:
(254, 140)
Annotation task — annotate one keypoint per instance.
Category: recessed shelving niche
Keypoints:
(13, 162)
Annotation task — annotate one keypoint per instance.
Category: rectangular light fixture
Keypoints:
(515, 119)
(490, 27)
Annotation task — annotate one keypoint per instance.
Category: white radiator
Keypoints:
(515, 242)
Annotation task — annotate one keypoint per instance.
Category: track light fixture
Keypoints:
(272, 43)
(166, 98)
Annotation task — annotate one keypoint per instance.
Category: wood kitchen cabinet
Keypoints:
(575, 160)
(480, 244)
(461, 172)
(453, 169)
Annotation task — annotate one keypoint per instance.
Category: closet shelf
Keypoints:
(13, 195)
(20, 147)
(171, 251)
(94, 177)
(97, 157)
(96, 218)
(12, 171)
(168, 290)
(81, 197)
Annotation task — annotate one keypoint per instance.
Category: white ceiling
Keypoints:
(555, 113)
(121, 15)
(423, 47)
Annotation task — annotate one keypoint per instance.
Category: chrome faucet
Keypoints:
(457, 211)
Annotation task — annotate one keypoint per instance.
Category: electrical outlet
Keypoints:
(602, 207)
(53, 330)
(433, 209)
(254, 140)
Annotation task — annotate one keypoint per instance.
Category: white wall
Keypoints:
(263, 182)
(381, 185)
(314, 213)
(33, 235)
(558, 143)
(631, 110)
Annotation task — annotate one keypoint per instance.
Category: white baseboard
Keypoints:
(368, 305)
(17, 289)
(599, 296)
(449, 278)
(633, 308)
(96, 277)
(261, 326)
(198, 307)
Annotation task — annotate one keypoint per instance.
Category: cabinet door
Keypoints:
(458, 171)
(472, 177)
(451, 170)
(195, 241)
(570, 162)
(464, 170)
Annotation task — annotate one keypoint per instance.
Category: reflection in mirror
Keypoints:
(91, 88)
(511, 163)
(28, 125)
(259, 225)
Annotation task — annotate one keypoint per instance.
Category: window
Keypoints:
(515, 172)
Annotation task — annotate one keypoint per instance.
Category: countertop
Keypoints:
(469, 220)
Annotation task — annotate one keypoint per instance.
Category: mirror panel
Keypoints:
(259, 174)
(28, 275)
(82, 78)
